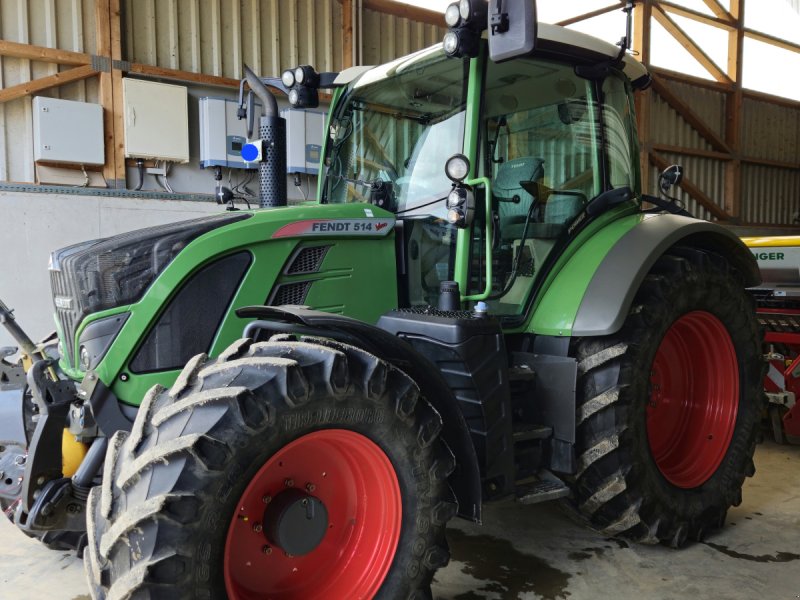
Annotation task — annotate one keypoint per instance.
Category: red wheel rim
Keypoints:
(694, 399)
(357, 483)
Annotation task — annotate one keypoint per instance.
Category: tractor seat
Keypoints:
(559, 210)
(506, 187)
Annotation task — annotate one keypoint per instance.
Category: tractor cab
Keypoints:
(541, 135)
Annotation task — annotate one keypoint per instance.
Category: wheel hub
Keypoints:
(295, 522)
(320, 519)
(693, 403)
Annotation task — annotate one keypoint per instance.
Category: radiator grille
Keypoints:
(67, 318)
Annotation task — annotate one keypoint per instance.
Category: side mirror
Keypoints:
(512, 28)
(672, 175)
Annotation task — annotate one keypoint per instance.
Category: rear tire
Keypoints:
(183, 508)
(669, 407)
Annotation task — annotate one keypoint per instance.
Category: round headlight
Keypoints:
(86, 360)
(454, 216)
(452, 15)
(299, 75)
(294, 96)
(454, 199)
(288, 78)
(450, 43)
(457, 167)
(465, 9)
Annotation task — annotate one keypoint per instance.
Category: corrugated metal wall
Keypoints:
(62, 24)
(218, 36)
(771, 132)
(669, 128)
(214, 37)
(769, 194)
(386, 37)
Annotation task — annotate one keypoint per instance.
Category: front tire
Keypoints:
(669, 407)
(283, 469)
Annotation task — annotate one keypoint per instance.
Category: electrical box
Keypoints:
(223, 134)
(304, 134)
(156, 120)
(68, 131)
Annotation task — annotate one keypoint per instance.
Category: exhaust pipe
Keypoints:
(272, 131)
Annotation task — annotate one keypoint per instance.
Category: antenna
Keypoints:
(625, 43)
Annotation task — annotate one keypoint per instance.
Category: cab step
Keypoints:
(524, 432)
(521, 373)
(541, 491)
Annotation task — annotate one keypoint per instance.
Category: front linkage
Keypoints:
(44, 424)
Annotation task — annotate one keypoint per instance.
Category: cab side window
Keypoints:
(541, 129)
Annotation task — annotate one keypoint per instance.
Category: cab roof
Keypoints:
(550, 37)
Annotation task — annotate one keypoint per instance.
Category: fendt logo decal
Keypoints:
(336, 227)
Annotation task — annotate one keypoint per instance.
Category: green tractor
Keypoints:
(292, 402)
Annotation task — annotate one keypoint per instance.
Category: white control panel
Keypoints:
(156, 120)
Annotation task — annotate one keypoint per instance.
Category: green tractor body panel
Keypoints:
(565, 286)
(356, 277)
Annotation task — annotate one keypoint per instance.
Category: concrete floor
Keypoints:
(538, 552)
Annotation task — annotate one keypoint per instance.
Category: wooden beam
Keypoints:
(690, 188)
(698, 152)
(771, 99)
(589, 15)
(115, 47)
(642, 21)
(43, 83)
(771, 40)
(102, 22)
(691, 117)
(40, 53)
(697, 53)
(718, 9)
(708, 84)
(347, 32)
(766, 162)
(405, 11)
(733, 111)
(726, 23)
(188, 76)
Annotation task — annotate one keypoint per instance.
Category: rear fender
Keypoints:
(465, 480)
(607, 292)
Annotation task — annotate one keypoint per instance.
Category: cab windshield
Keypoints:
(393, 132)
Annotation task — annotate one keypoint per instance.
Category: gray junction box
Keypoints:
(67, 131)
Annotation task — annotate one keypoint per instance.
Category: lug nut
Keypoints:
(266, 499)
(289, 482)
(266, 550)
(310, 487)
(257, 527)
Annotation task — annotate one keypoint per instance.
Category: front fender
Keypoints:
(606, 292)
(466, 480)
